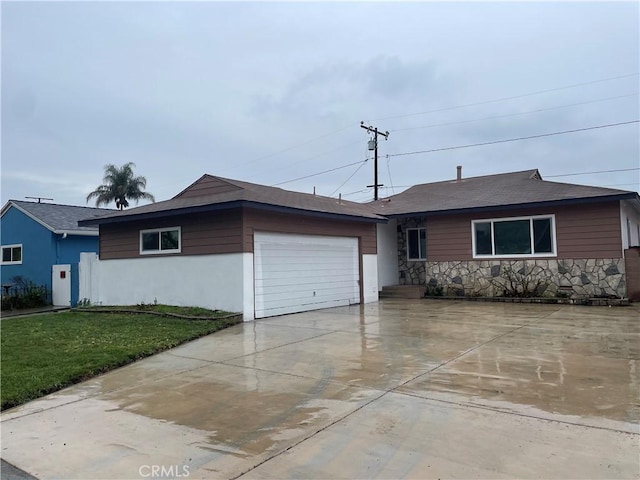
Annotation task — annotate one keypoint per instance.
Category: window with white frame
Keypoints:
(160, 240)
(514, 237)
(416, 244)
(11, 254)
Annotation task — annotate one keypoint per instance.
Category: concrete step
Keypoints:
(402, 291)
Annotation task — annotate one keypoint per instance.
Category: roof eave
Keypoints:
(227, 206)
(160, 213)
(497, 208)
(315, 213)
(80, 233)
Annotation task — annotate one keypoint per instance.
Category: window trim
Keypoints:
(409, 259)
(160, 251)
(531, 218)
(12, 246)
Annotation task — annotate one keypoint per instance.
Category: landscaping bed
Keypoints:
(603, 302)
(41, 354)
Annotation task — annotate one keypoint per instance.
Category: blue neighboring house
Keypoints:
(36, 236)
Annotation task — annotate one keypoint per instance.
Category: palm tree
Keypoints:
(120, 185)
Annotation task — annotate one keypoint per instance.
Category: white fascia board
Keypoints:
(32, 217)
(46, 225)
(81, 233)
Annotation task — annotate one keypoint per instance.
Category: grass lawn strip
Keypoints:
(41, 354)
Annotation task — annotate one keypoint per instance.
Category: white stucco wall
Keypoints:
(629, 229)
(209, 281)
(224, 282)
(248, 291)
(387, 253)
(370, 278)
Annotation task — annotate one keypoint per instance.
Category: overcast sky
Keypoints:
(270, 92)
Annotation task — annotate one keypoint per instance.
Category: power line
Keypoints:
(507, 98)
(514, 114)
(457, 147)
(513, 139)
(349, 177)
(390, 180)
(592, 173)
(316, 174)
(347, 126)
(364, 190)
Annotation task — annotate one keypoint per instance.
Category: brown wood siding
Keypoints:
(263, 221)
(582, 231)
(591, 231)
(227, 232)
(449, 238)
(632, 269)
(202, 234)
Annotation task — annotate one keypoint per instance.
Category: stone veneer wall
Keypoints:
(486, 278)
(411, 272)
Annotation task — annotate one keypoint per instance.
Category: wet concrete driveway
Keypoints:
(397, 389)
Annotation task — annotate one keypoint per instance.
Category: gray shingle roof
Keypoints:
(506, 189)
(59, 218)
(240, 193)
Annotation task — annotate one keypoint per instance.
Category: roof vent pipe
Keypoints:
(459, 176)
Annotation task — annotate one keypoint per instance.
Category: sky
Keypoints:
(271, 92)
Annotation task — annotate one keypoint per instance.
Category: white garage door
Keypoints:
(296, 273)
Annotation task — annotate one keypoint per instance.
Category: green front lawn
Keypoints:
(44, 353)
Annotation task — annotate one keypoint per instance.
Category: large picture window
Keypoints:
(161, 240)
(11, 254)
(416, 244)
(514, 237)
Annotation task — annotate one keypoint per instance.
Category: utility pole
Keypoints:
(375, 132)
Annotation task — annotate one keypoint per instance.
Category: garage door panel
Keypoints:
(284, 307)
(308, 289)
(294, 267)
(310, 274)
(309, 283)
(302, 297)
(310, 259)
(295, 273)
(276, 285)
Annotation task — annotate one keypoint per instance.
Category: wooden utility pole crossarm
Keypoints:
(375, 132)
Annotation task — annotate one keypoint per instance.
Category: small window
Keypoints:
(514, 237)
(162, 240)
(417, 243)
(12, 254)
(483, 238)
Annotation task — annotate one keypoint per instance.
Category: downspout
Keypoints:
(62, 237)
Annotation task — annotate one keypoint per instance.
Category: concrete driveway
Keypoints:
(397, 389)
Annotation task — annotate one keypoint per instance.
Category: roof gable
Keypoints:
(207, 185)
(58, 218)
(210, 193)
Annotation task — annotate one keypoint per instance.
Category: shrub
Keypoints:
(434, 290)
(521, 283)
(25, 294)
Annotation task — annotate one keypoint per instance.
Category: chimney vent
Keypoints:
(459, 176)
